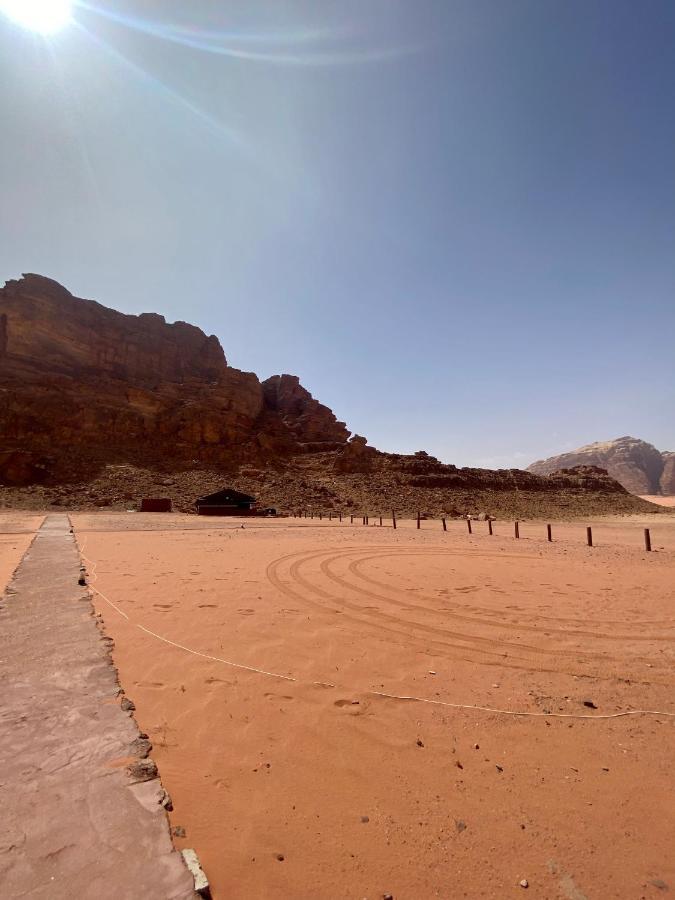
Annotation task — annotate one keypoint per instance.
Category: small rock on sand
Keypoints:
(142, 770)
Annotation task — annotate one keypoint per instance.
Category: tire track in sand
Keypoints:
(395, 625)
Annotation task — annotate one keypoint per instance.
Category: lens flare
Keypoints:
(43, 16)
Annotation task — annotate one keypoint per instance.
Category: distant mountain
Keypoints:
(637, 465)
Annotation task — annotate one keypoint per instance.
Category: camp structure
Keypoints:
(227, 502)
(156, 504)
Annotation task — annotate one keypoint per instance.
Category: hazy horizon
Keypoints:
(454, 222)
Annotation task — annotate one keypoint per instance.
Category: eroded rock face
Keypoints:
(83, 382)
(667, 480)
(635, 464)
(310, 421)
(19, 467)
(356, 456)
(45, 322)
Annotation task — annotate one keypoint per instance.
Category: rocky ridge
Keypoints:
(98, 408)
(637, 465)
(83, 385)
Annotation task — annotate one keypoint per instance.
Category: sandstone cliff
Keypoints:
(635, 464)
(667, 480)
(82, 384)
(98, 407)
(313, 424)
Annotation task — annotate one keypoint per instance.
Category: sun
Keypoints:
(43, 16)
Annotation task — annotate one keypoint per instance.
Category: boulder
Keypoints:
(355, 456)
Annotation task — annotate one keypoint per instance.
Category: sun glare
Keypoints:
(43, 16)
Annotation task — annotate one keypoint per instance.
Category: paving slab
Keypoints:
(74, 822)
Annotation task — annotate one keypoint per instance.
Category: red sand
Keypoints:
(17, 530)
(319, 788)
(661, 501)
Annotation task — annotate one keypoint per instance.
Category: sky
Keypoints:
(453, 219)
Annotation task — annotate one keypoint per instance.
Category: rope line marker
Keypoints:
(227, 662)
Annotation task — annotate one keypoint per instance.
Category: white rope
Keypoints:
(511, 712)
(94, 577)
(405, 697)
(227, 662)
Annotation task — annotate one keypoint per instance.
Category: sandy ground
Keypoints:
(17, 530)
(301, 780)
(661, 501)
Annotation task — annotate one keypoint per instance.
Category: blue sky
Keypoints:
(455, 221)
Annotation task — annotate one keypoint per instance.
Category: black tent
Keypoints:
(227, 502)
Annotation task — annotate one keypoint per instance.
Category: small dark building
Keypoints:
(156, 504)
(226, 503)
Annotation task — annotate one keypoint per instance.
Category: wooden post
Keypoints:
(367, 519)
(549, 536)
(418, 518)
(648, 541)
(393, 518)
(589, 536)
(320, 516)
(489, 526)
(445, 527)
(516, 529)
(468, 525)
(380, 521)
(351, 520)
(330, 516)
(340, 514)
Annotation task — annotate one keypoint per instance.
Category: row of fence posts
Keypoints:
(516, 526)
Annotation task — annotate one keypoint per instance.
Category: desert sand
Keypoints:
(17, 530)
(660, 500)
(309, 775)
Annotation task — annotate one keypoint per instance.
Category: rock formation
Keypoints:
(667, 480)
(356, 456)
(98, 407)
(82, 383)
(635, 464)
(312, 423)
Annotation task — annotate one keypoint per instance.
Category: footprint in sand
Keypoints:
(206, 605)
(246, 612)
(162, 605)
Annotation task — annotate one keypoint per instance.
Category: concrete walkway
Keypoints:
(73, 822)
